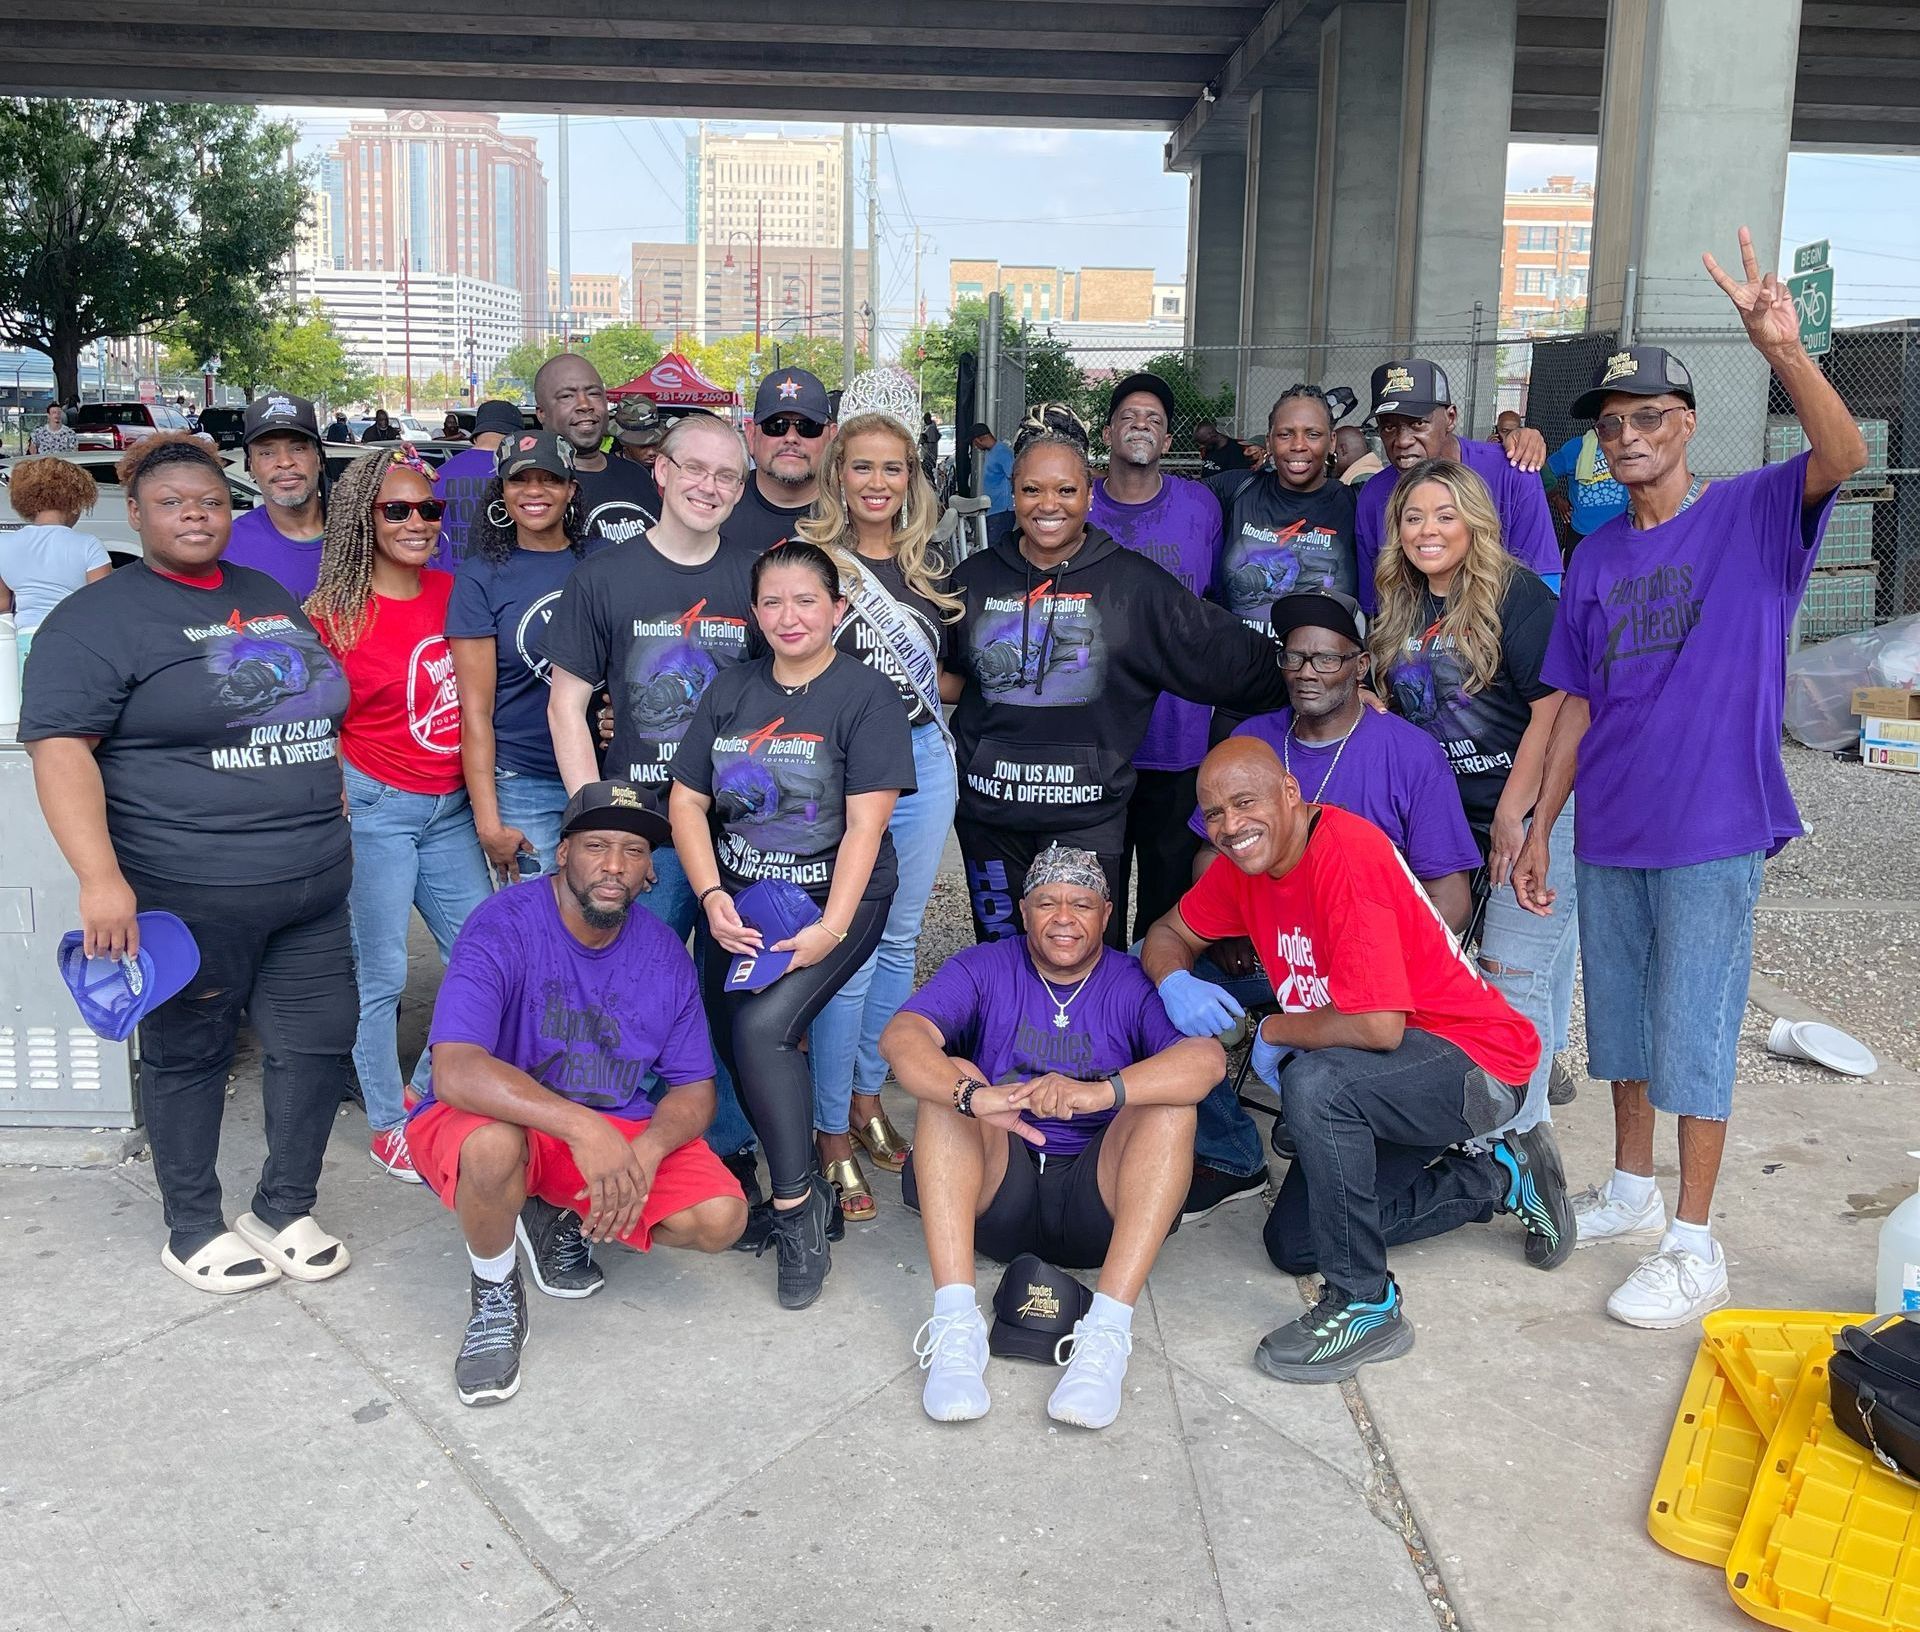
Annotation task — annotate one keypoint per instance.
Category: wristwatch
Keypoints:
(963, 1092)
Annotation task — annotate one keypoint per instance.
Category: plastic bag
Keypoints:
(1821, 680)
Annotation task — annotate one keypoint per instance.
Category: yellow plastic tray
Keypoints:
(1831, 1540)
(1762, 1351)
(1712, 1456)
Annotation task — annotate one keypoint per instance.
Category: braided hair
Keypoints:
(1052, 425)
(341, 605)
(494, 542)
(1312, 393)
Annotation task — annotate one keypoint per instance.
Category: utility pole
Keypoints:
(873, 246)
(565, 278)
(406, 316)
(700, 235)
(849, 352)
(919, 300)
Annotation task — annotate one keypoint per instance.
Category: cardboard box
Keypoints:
(1890, 745)
(1886, 703)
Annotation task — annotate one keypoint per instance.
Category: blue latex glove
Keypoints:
(1270, 1059)
(1198, 1007)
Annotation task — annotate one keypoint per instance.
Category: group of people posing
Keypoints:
(1325, 738)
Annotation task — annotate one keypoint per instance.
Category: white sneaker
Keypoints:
(952, 1350)
(1088, 1396)
(1670, 1288)
(1597, 1217)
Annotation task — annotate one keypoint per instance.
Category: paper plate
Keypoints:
(1833, 1048)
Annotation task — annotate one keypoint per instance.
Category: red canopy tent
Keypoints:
(673, 382)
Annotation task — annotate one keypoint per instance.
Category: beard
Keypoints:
(597, 916)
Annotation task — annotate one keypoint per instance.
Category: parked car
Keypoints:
(223, 425)
(108, 522)
(118, 425)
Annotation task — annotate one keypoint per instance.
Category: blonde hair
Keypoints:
(1472, 618)
(920, 564)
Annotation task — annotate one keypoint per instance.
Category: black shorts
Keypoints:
(1057, 1214)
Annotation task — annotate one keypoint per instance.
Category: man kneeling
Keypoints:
(562, 1014)
(1056, 1117)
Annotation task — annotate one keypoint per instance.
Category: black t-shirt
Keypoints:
(779, 767)
(218, 713)
(621, 502)
(1224, 456)
(759, 525)
(654, 633)
(1481, 730)
(856, 639)
(1279, 541)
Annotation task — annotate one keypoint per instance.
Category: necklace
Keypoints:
(1286, 754)
(1694, 490)
(801, 689)
(1061, 1019)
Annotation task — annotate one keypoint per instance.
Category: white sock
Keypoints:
(1106, 1311)
(1633, 1190)
(957, 1299)
(492, 1269)
(1694, 1238)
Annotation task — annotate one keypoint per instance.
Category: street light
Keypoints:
(757, 238)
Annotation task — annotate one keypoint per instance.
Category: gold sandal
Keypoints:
(883, 1142)
(856, 1199)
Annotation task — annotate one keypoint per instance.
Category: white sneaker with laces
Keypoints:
(1598, 1218)
(1670, 1288)
(1088, 1396)
(952, 1350)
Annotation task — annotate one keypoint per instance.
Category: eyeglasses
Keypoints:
(1609, 427)
(792, 424)
(397, 510)
(1323, 662)
(724, 481)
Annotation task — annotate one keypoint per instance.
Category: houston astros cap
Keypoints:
(778, 909)
(1638, 371)
(277, 411)
(792, 391)
(616, 806)
(1034, 1306)
(1413, 388)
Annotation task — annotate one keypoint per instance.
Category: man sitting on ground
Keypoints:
(563, 1014)
(1389, 1051)
(1056, 1117)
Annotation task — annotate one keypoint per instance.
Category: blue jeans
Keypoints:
(534, 805)
(409, 850)
(1535, 959)
(843, 1048)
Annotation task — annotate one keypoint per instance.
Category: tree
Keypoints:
(294, 351)
(622, 350)
(1192, 401)
(117, 217)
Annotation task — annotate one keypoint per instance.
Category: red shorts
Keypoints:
(688, 1176)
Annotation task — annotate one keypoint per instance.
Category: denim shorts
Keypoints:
(1666, 952)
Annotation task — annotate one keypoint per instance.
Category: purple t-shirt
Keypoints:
(993, 1008)
(601, 1027)
(1392, 773)
(1526, 524)
(1179, 528)
(1677, 637)
(460, 482)
(292, 563)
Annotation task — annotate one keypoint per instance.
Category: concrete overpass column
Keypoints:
(1277, 264)
(1696, 113)
(1216, 207)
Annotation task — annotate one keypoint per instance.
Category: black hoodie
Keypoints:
(1063, 669)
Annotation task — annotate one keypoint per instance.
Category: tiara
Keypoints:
(890, 390)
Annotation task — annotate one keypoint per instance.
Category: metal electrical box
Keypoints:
(54, 1072)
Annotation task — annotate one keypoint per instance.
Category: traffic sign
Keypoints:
(1811, 257)
(1813, 299)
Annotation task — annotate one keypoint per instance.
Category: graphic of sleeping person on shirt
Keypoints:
(771, 795)
(1263, 563)
(1428, 692)
(1041, 650)
(664, 683)
(265, 671)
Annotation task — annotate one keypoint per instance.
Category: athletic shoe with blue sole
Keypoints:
(1537, 1194)
(1335, 1338)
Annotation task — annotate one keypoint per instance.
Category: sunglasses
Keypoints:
(397, 510)
(792, 424)
(1610, 427)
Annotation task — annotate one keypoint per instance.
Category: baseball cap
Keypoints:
(1414, 388)
(637, 422)
(792, 391)
(616, 806)
(1140, 382)
(777, 909)
(115, 994)
(277, 411)
(1034, 1306)
(1639, 371)
(533, 450)
(1317, 609)
(497, 417)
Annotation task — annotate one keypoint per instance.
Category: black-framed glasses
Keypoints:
(724, 481)
(1323, 662)
(792, 424)
(397, 510)
(1610, 427)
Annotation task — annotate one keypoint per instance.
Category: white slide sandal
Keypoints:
(302, 1251)
(214, 1267)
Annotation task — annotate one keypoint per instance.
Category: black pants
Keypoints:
(758, 1035)
(1159, 839)
(996, 860)
(283, 953)
(1375, 1166)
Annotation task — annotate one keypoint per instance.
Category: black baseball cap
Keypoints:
(1639, 371)
(1151, 383)
(792, 391)
(533, 450)
(1317, 609)
(1414, 388)
(1034, 1306)
(273, 411)
(619, 806)
(497, 417)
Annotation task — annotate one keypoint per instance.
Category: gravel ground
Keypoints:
(1863, 832)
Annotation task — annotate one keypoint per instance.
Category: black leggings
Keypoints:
(758, 1035)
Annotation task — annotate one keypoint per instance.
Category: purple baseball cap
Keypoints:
(778, 909)
(115, 994)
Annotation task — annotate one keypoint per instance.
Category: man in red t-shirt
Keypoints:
(1389, 1052)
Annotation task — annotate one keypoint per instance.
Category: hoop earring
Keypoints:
(498, 514)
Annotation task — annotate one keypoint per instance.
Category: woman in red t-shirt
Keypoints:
(383, 612)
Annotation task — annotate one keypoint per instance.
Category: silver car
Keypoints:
(108, 520)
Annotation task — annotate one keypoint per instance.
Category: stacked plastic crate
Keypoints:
(1840, 596)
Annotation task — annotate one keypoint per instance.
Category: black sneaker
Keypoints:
(1212, 1188)
(799, 1238)
(1335, 1338)
(1562, 1089)
(488, 1368)
(557, 1253)
(1282, 1140)
(744, 1165)
(1537, 1193)
(759, 1228)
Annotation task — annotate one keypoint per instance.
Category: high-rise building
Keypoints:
(1544, 256)
(599, 300)
(449, 193)
(437, 322)
(799, 289)
(781, 189)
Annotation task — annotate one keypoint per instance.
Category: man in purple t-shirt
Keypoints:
(1176, 523)
(281, 536)
(1413, 408)
(1056, 1114)
(571, 1075)
(1671, 646)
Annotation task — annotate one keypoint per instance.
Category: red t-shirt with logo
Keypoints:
(403, 717)
(1349, 926)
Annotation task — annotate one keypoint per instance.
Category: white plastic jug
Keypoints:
(1897, 1285)
(9, 679)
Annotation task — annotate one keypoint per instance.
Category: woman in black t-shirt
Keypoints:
(788, 773)
(183, 717)
(1459, 637)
